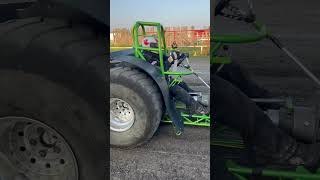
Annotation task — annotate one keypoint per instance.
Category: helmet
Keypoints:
(150, 42)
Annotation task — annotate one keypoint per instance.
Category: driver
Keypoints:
(267, 144)
(180, 91)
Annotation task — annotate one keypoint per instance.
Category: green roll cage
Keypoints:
(139, 30)
(239, 171)
(161, 50)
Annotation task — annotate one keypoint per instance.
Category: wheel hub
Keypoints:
(39, 151)
(121, 115)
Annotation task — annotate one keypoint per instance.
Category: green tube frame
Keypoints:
(161, 50)
(242, 172)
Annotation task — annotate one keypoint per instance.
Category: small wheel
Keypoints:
(136, 107)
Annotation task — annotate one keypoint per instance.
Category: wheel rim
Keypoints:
(121, 115)
(37, 150)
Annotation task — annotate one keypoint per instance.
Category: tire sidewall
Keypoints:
(29, 96)
(144, 101)
(140, 105)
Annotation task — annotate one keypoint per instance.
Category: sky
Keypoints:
(124, 13)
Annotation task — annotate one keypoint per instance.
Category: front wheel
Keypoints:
(136, 107)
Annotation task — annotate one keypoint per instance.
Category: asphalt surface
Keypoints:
(167, 156)
(296, 22)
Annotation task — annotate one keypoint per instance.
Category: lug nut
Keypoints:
(48, 139)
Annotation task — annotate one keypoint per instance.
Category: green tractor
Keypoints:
(139, 91)
(302, 123)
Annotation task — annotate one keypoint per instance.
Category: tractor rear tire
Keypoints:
(54, 73)
(142, 95)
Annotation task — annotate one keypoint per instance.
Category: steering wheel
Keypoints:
(221, 4)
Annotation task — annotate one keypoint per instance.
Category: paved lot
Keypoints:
(167, 156)
(297, 24)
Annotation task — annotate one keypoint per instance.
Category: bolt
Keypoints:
(48, 139)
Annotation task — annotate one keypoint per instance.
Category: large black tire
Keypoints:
(143, 95)
(55, 72)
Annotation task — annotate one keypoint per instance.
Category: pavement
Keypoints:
(167, 156)
(297, 24)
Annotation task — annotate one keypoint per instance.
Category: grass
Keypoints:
(113, 49)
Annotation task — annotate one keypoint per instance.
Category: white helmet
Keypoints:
(150, 42)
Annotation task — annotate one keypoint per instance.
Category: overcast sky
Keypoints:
(168, 12)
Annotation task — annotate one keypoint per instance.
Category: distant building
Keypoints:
(111, 36)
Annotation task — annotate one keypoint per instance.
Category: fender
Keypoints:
(160, 80)
(91, 12)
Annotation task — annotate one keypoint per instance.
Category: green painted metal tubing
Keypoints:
(221, 60)
(161, 50)
(238, 144)
(201, 120)
(196, 116)
(300, 173)
(190, 124)
(177, 73)
(161, 46)
(232, 38)
(148, 23)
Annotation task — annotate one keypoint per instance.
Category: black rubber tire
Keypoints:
(143, 95)
(55, 72)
